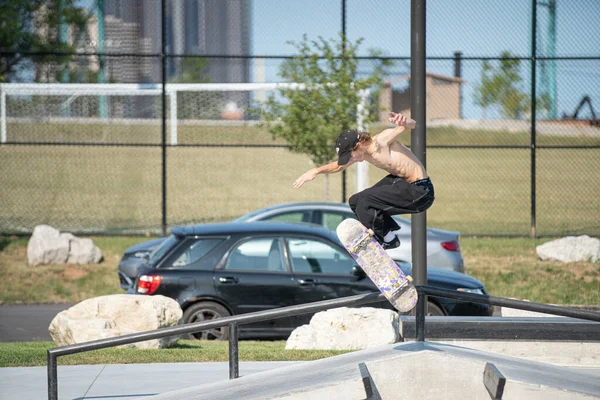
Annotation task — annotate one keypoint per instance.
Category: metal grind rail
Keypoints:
(234, 322)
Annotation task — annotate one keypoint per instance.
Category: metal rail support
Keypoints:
(234, 357)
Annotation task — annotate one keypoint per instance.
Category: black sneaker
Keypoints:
(391, 245)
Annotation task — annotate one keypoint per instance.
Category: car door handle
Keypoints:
(306, 282)
(228, 279)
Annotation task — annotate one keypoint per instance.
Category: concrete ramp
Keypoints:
(415, 370)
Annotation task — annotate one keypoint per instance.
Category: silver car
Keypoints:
(443, 249)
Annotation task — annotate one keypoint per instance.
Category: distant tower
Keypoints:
(546, 45)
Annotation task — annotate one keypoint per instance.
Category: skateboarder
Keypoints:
(406, 190)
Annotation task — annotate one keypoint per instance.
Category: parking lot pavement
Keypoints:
(27, 322)
(120, 381)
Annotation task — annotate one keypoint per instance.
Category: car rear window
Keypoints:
(196, 251)
(163, 249)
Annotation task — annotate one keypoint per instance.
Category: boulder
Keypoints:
(83, 251)
(346, 329)
(48, 246)
(116, 315)
(570, 249)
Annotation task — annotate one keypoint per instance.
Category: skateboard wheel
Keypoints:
(371, 232)
(410, 279)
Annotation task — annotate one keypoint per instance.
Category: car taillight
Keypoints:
(451, 246)
(148, 284)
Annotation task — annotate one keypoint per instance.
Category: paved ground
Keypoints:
(27, 322)
(136, 381)
(119, 382)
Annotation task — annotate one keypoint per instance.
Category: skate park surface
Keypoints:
(423, 370)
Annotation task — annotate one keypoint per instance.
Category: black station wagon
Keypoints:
(217, 270)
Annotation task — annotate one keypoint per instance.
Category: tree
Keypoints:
(486, 94)
(310, 119)
(33, 25)
(501, 86)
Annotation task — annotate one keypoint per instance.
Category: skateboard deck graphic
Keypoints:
(378, 265)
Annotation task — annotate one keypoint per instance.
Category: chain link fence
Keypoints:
(513, 90)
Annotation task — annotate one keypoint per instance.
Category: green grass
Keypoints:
(29, 354)
(508, 267)
(69, 283)
(118, 189)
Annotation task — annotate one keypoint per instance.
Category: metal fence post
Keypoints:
(344, 174)
(234, 359)
(532, 232)
(163, 59)
(2, 114)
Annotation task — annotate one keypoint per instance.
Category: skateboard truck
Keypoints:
(362, 242)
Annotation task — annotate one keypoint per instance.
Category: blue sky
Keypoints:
(477, 28)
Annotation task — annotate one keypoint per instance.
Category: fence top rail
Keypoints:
(108, 88)
(19, 88)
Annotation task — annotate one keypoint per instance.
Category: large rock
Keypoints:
(570, 249)
(116, 315)
(82, 251)
(48, 246)
(346, 329)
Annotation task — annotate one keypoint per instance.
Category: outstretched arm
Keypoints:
(311, 174)
(402, 123)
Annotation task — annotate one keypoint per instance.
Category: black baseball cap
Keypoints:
(344, 145)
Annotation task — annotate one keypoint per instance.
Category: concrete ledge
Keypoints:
(564, 354)
(419, 370)
(503, 328)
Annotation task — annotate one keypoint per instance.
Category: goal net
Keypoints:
(36, 112)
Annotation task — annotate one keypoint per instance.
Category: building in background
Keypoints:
(194, 27)
(443, 97)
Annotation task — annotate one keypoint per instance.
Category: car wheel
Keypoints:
(206, 311)
(433, 310)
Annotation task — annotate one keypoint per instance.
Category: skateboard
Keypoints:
(377, 264)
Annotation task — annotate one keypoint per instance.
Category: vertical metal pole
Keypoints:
(344, 175)
(2, 114)
(532, 232)
(551, 54)
(418, 140)
(234, 359)
(458, 74)
(63, 32)
(52, 377)
(163, 55)
(102, 101)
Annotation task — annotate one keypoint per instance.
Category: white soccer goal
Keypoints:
(119, 104)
